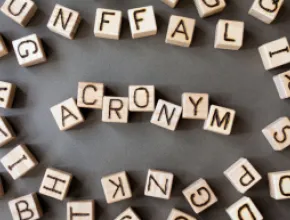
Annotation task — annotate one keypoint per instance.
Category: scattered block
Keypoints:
(166, 115)
(159, 184)
(3, 48)
(90, 95)
(19, 161)
(170, 3)
(128, 214)
(142, 22)
(6, 132)
(229, 34)
(279, 185)
(67, 114)
(20, 11)
(64, 21)
(29, 50)
(178, 215)
(277, 133)
(1, 188)
(25, 207)
(266, 11)
(220, 120)
(207, 8)
(244, 209)
(282, 83)
(77, 210)
(55, 183)
(7, 92)
(141, 98)
(115, 109)
(199, 195)
(108, 23)
(195, 105)
(275, 53)
(180, 31)
(242, 175)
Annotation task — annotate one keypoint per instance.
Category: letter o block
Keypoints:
(141, 98)
(279, 183)
(207, 8)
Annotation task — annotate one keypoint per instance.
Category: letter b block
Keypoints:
(279, 183)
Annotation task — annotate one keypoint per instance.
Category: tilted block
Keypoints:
(3, 48)
(279, 183)
(179, 215)
(207, 8)
(282, 83)
(128, 214)
(7, 92)
(90, 95)
(195, 105)
(81, 210)
(6, 132)
(115, 109)
(141, 98)
(2, 192)
(170, 3)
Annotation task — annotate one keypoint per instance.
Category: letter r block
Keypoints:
(279, 183)
(90, 95)
(207, 8)
(115, 109)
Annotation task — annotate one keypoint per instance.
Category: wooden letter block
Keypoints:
(170, 3)
(64, 21)
(279, 183)
(195, 105)
(178, 215)
(242, 175)
(220, 120)
(166, 115)
(19, 161)
(282, 83)
(81, 210)
(116, 187)
(90, 95)
(142, 22)
(275, 53)
(207, 8)
(180, 31)
(115, 109)
(7, 92)
(128, 214)
(229, 34)
(67, 114)
(3, 48)
(141, 98)
(278, 133)
(20, 11)
(6, 132)
(244, 209)
(29, 51)
(26, 207)
(108, 23)
(1, 188)
(55, 183)
(266, 11)
(159, 184)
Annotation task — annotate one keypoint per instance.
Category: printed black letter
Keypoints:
(199, 192)
(63, 23)
(271, 10)
(119, 186)
(84, 95)
(56, 180)
(284, 138)
(26, 54)
(103, 19)
(145, 96)
(24, 210)
(242, 208)
(183, 31)
(19, 12)
(225, 120)
(72, 214)
(281, 185)
(163, 190)
(226, 38)
(137, 20)
(247, 174)
(168, 118)
(116, 109)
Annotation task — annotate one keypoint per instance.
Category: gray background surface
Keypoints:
(234, 79)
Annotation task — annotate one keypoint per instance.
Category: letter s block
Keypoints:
(279, 183)
(207, 8)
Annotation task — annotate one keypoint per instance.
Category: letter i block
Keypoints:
(115, 109)
(170, 3)
(6, 132)
(242, 175)
(90, 95)
(279, 185)
(282, 83)
(244, 209)
(3, 48)
(206, 8)
(195, 105)
(178, 215)
(81, 210)
(141, 98)
(128, 214)
(7, 92)
(26, 207)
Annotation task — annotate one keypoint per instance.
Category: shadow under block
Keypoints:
(90, 95)
(278, 133)
(1, 188)
(282, 83)
(170, 3)
(7, 93)
(108, 23)
(266, 11)
(64, 21)
(220, 120)
(19, 161)
(244, 209)
(275, 53)
(128, 214)
(195, 105)
(3, 48)
(141, 98)
(142, 22)
(55, 183)
(242, 175)
(166, 115)
(115, 109)
(116, 187)
(180, 31)
(26, 207)
(229, 34)
(207, 8)
(159, 184)
(178, 215)
(67, 114)
(20, 11)
(81, 210)
(279, 185)
(6, 132)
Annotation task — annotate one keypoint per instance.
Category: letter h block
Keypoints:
(77, 210)
(279, 183)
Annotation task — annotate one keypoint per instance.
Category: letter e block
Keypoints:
(77, 210)
(3, 48)
(115, 109)
(282, 83)
(128, 214)
(170, 3)
(279, 183)
(207, 8)
(6, 132)
(90, 95)
(141, 98)
(195, 105)
(178, 215)
(7, 92)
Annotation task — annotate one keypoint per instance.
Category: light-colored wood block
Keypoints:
(170, 3)
(7, 92)
(282, 83)
(67, 114)
(116, 187)
(2, 192)
(128, 214)
(159, 184)
(142, 22)
(266, 11)
(64, 21)
(108, 23)
(207, 8)
(29, 50)
(3, 48)
(90, 95)
(166, 115)
(20, 11)
(180, 31)
(81, 210)
(115, 109)
(195, 105)
(242, 175)
(244, 209)
(275, 53)
(141, 98)
(279, 185)
(179, 215)
(55, 183)
(278, 133)
(26, 207)
(6, 132)
(229, 34)
(19, 161)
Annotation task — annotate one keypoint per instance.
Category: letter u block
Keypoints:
(279, 183)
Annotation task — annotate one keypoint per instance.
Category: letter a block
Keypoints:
(195, 105)
(6, 132)
(242, 175)
(90, 95)
(282, 83)
(77, 210)
(115, 109)
(3, 48)
(206, 8)
(141, 98)
(7, 92)
(128, 214)
(279, 183)
(178, 215)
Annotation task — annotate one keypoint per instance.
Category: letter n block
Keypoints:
(199, 195)
(179, 215)
(115, 109)
(141, 98)
(128, 214)
(282, 83)
(7, 92)
(90, 95)
(207, 8)
(6, 132)
(279, 183)
(3, 48)
(77, 210)
(195, 105)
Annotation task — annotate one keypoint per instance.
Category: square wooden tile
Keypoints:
(195, 105)
(90, 95)
(141, 98)
(81, 210)
(115, 109)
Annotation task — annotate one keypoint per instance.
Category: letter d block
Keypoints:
(115, 109)
(26, 207)
(178, 215)
(128, 214)
(206, 8)
(77, 210)
(279, 183)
